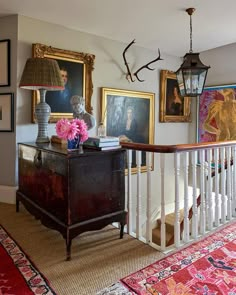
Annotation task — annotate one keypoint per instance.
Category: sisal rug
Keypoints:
(18, 275)
(207, 267)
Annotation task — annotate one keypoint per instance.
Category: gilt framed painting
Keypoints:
(76, 70)
(129, 115)
(173, 107)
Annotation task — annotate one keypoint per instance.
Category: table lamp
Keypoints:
(42, 74)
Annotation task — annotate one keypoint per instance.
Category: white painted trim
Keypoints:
(8, 194)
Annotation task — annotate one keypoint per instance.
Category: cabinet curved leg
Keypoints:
(17, 205)
(122, 225)
(68, 249)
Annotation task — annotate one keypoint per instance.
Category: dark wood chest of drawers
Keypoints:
(72, 192)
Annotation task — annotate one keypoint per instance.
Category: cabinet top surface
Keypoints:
(58, 148)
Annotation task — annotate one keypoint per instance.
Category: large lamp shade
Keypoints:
(44, 75)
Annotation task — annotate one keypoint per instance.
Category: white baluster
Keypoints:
(163, 213)
(229, 185)
(202, 192)
(149, 200)
(223, 197)
(186, 203)
(217, 201)
(234, 181)
(139, 196)
(194, 184)
(209, 192)
(129, 162)
(177, 213)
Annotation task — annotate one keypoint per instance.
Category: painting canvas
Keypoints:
(217, 114)
(72, 76)
(173, 107)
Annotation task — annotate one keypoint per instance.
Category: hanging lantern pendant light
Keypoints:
(191, 75)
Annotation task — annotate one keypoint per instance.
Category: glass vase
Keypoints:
(101, 130)
(81, 149)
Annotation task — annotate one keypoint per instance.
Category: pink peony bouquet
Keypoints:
(73, 129)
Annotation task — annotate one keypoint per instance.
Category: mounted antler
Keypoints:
(129, 75)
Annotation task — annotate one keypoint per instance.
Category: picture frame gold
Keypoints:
(79, 67)
(116, 107)
(173, 108)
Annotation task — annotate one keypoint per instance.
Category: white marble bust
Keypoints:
(78, 106)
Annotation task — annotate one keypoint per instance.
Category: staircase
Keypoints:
(170, 222)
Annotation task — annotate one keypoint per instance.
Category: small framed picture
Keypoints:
(173, 107)
(6, 112)
(4, 63)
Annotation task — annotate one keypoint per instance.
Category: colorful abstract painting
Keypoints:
(217, 114)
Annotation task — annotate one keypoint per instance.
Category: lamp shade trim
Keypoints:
(40, 86)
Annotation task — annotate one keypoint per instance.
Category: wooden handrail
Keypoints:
(175, 148)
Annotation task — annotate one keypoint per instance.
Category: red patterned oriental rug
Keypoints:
(207, 267)
(18, 275)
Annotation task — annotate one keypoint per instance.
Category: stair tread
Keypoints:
(170, 218)
(169, 224)
(156, 236)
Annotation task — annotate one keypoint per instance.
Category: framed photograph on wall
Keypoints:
(76, 70)
(173, 107)
(6, 112)
(5, 63)
(217, 114)
(129, 115)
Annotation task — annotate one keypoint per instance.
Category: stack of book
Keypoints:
(102, 143)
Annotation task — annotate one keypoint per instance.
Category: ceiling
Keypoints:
(154, 24)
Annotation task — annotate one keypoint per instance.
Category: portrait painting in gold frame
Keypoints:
(76, 69)
(173, 107)
(129, 115)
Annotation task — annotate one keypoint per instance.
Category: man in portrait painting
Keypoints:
(59, 101)
(129, 128)
(128, 118)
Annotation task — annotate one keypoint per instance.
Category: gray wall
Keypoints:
(223, 65)
(109, 72)
(8, 30)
